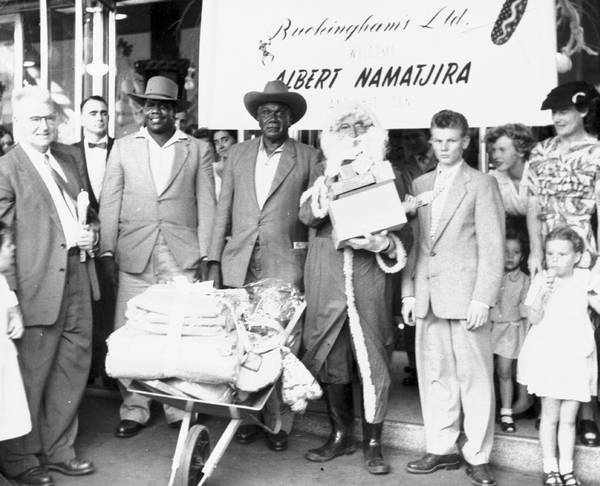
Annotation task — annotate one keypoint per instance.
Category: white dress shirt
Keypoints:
(66, 209)
(162, 158)
(95, 161)
(443, 181)
(264, 172)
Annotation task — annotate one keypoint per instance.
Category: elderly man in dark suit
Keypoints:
(95, 146)
(156, 209)
(259, 201)
(38, 185)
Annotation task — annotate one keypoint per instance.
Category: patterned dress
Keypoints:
(567, 187)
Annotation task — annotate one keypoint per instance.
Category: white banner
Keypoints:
(493, 60)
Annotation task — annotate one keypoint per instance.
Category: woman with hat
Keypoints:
(563, 180)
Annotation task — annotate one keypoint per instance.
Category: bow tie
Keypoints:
(101, 145)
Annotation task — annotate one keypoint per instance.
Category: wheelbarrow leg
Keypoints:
(220, 448)
(183, 432)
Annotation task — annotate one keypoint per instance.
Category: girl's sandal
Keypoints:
(552, 479)
(507, 424)
(569, 479)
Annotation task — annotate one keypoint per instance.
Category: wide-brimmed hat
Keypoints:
(575, 93)
(276, 92)
(162, 89)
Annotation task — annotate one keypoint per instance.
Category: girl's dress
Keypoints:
(509, 325)
(558, 358)
(14, 411)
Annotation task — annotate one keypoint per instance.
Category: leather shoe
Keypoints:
(278, 442)
(128, 428)
(73, 467)
(432, 462)
(246, 434)
(35, 476)
(481, 475)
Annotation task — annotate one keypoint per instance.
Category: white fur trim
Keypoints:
(400, 257)
(358, 338)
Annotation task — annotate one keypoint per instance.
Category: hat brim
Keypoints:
(295, 101)
(141, 99)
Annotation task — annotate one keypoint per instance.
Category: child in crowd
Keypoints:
(14, 411)
(509, 324)
(558, 358)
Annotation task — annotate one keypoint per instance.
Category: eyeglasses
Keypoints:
(49, 119)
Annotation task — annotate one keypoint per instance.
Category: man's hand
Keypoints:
(214, 273)
(87, 238)
(376, 243)
(201, 273)
(15, 323)
(110, 269)
(410, 204)
(408, 311)
(477, 315)
(534, 262)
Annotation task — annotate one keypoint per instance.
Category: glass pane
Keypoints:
(7, 70)
(61, 66)
(31, 48)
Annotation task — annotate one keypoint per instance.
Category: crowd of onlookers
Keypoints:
(496, 289)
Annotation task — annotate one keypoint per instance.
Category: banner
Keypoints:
(492, 60)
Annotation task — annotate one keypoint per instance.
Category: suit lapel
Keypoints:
(248, 168)
(69, 168)
(38, 185)
(182, 150)
(456, 194)
(286, 164)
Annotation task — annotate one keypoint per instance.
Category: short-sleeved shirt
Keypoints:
(567, 185)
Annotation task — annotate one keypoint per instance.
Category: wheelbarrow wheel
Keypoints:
(195, 453)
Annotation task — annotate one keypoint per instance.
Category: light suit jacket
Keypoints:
(281, 234)
(465, 259)
(132, 213)
(26, 206)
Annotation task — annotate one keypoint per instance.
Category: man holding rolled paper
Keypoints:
(39, 187)
(156, 209)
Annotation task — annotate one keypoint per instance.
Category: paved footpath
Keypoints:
(145, 460)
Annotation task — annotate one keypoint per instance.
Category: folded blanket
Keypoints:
(136, 354)
(200, 391)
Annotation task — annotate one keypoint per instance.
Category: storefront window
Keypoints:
(61, 62)
(8, 66)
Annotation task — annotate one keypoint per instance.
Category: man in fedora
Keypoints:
(156, 211)
(260, 197)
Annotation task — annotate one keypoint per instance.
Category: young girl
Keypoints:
(509, 325)
(558, 358)
(14, 411)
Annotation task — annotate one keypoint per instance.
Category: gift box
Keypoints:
(365, 204)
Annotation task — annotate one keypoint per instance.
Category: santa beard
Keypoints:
(364, 150)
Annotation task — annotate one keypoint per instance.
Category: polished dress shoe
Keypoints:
(128, 428)
(35, 476)
(481, 475)
(246, 434)
(73, 467)
(278, 442)
(432, 462)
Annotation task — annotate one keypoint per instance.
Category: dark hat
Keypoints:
(162, 89)
(276, 92)
(575, 93)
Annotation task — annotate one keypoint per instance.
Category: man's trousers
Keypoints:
(455, 372)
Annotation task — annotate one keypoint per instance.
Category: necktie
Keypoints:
(436, 210)
(65, 191)
(101, 145)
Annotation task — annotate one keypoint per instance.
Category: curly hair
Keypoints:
(450, 119)
(521, 136)
(591, 122)
(566, 233)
